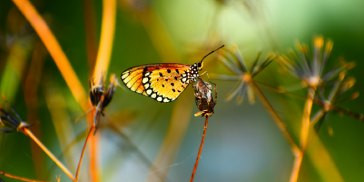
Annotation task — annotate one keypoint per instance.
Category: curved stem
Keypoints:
(106, 41)
(54, 49)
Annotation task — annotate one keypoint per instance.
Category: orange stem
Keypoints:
(29, 133)
(296, 166)
(11, 176)
(305, 125)
(94, 171)
(305, 129)
(101, 66)
(106, 41)
(200, 149)
(83, 153)
(55, 50)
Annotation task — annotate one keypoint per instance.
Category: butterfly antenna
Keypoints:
(211, 52)
(205, 72)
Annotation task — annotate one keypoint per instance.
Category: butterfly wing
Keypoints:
(162, 82)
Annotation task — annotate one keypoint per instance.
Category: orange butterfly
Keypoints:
(163, 82)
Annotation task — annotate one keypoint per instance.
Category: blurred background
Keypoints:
(150, 140)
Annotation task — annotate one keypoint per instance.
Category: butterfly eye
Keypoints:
(199, 65)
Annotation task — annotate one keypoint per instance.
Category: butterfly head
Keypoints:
(199, 65)
(192, 73)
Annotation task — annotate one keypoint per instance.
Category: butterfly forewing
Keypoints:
(162, 82)
(133, 79)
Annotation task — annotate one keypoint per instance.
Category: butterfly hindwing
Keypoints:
(162, 82)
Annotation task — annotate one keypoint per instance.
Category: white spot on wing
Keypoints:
(145, 80)
(159, 99)
(149, 91)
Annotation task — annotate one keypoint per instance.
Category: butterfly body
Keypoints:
(162, 82)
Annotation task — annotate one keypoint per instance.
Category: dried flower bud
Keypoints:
(10, 121)
(110, 91)
(95, 94)
(205, 97)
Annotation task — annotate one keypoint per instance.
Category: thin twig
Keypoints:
(317, 117)
(200, 149)
(83, 153)
(29, 133)
(55, 50)
(12, 176)
(276, 118)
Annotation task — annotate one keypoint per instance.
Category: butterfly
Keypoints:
(163, 82)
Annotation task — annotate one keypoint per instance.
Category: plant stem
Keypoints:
(94, 170)
(305, 125)
(316, 118)
(106, 41)
(11, 176)
(200, 149)
(296, 166)
(55, 50)
(100, 70)
(276, 118)
(305, 129)
(29, 133)
(83, 153)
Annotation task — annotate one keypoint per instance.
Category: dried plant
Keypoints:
(237, 65)
(310, 68)
(205, 97)
(11, 121)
